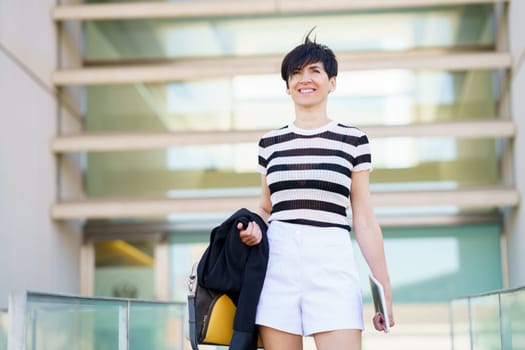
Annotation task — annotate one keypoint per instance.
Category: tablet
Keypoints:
(379, 300)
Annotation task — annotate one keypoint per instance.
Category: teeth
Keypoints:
(306, 91)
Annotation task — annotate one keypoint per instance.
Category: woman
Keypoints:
(312, 171)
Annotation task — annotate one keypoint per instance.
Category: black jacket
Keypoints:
(232, 267)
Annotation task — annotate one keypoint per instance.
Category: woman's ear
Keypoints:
(333, 84)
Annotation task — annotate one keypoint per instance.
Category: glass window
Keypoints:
(427, 264)
(124, 269)
(362, 98)
(435, 264)
(186, 248)
(462, 27)
(399, 164)
(156, 326)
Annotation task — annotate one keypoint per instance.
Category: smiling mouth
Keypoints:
(306, 91)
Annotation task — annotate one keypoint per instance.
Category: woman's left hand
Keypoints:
(379, 321)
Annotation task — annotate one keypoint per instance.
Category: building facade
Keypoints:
(128, 132)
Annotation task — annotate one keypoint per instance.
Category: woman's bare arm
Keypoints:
(368, 233)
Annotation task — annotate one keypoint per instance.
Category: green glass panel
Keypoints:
(485, 323)
(417, 163)
(362, 98)
(156, 326)
(69, 322)
(185, 250)
(433, 163)
(426, 264)
(513, 321)
(495, 320)
(3, 329)
(124, 282)
(433, 264)
(74, 324)
(168, 173)
(440, 27)
(459, 310)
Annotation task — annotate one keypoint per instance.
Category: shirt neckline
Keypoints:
(320, 129)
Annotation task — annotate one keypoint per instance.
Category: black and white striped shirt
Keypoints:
(309, 172)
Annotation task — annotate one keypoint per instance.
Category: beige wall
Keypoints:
(516, 227)
(35, 253)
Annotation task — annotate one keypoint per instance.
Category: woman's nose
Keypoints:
(306, 78)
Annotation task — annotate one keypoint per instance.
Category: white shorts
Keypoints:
(312, 283)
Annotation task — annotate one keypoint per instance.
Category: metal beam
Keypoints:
(201, 9)
(106, 142)
(488, 197)
(103, 230)
(193, 69)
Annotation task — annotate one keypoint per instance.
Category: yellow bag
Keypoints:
(211, 314)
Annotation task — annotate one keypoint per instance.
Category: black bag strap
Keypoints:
(192, 288)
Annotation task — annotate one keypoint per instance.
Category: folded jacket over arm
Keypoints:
(230, 266)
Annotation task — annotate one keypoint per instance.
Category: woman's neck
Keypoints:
(311, 119)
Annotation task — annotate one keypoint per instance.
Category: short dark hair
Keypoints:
(306, 53)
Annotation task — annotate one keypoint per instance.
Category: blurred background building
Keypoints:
(129, 130)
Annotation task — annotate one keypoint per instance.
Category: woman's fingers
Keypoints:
(252, 235)
(379, 322)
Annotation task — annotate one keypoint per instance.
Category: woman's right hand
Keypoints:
(251, 235)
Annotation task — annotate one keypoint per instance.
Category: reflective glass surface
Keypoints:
(71, 324)
(513, 320)
(485, 322)
(186, 248)
(3, 329)
(156, 326)
(460, 317)
(494, 320)
(440, 27)
(399, 164)
(259, 102)
(124, 269)
(388, 97)
(75, 323)
(443, 261)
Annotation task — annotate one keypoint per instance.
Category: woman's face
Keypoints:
(310, 85)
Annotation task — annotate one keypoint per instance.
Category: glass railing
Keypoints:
(489, 321)
(60, 322)
(3, 329)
